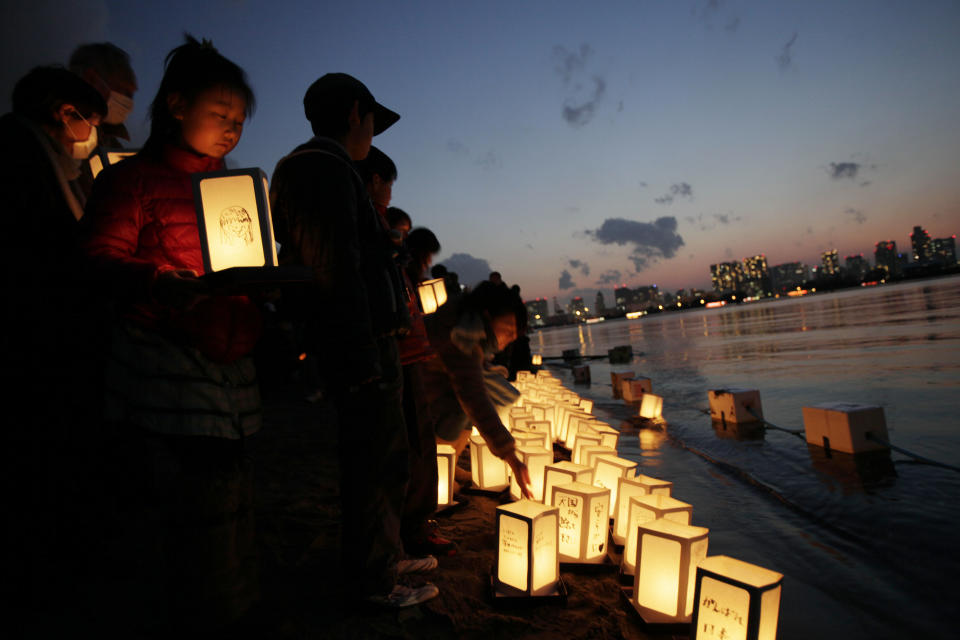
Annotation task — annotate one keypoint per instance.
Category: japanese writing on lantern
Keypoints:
(598, 522)
(510, 543)
(569, 518)
(719, 621)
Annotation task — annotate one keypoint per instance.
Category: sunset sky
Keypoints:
(573, 146)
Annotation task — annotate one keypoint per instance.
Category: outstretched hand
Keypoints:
(521, 473)
(179, 288)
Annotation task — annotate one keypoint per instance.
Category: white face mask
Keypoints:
(83, 148)
(119, 107)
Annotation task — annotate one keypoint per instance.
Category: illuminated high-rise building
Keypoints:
(756, 276)
(829, 264)
(621, 296)
(577, 308)
(920, 242)
(885, 257)
(856, 266)
(599, 306)
(727, 277)
(944, 251)
(788, 275)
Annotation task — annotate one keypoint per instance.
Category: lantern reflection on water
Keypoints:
(667, 556)
(432, 294)
(735, 600)
(526, 562)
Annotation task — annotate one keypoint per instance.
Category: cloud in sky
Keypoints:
(650, 241)
(841, 170)
(785, 59)
(489, 161)
(457, 147)
(471, 270)
(566, 281)
(610, 276)
(581, 265)
(679, 190)
(581, 104)
(856, 215)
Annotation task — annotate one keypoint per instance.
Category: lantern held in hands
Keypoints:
(432, 294)
(667, 556)
(526, 563)
(583, 520)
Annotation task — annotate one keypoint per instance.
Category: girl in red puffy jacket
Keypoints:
(181, 389)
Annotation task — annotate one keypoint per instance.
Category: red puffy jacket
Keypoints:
(140, 221)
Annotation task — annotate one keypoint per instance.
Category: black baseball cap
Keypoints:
(333, 94)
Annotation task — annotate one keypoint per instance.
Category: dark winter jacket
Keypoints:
(141, 221)
(323, 218)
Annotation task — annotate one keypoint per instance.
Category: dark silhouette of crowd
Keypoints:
(127, 469)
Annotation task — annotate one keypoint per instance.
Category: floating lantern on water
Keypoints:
(616, 381)
(667, 556)
(432, 294)
(607, 473)
(233, 220)
(647, 508)
(527, 563)
(735, 405)
(651, 406)
(583, 521)
(537, 359)
(735, 600)
(633, 388)
(487, 471)
(845, 426)
(536, 460)
(446, 463)
(630, 488)
(103, 158)
(564, 472)
(581, 374)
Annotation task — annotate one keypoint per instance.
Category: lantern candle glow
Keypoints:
(562, 473)
(526, 563)
(487, 471)
(666, 562)
(627, 488)
(536, 460)
(607, 472)
(583, 522)
(432, 294)
(446, 463)
(735, 600)
(647, 508)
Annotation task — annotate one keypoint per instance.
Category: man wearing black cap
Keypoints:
(323, 218)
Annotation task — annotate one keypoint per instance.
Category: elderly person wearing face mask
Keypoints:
(44, 377)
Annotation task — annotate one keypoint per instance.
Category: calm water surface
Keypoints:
(867, 545)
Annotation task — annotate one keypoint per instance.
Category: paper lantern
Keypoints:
(103, 158)
(616, 381)
(651, 406)
(609, 437)
(735, 405)
(523, 376)
(432, 294)
(516, 413)
(541, 427)
(527, 563)
(633, 388)
(487, 471)
(537, 359)
(527, 438)
(582, 522)
(607, 473)
(538, 409)
(571, 418)
(844, 426)
(585, 440)
(586, 405)
(647, 508)
(233, 219)
(581, 374)
(667, 556)
(735, 600)
(446, 463)
(588, 455)
(630, 488)
(578, 423)
(536, 460)
(564, 472)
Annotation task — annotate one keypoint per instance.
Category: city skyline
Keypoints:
(572, 148)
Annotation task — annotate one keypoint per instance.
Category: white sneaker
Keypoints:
(412, 565)
(403, 596)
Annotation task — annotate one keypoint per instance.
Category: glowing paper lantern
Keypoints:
(233, 219)
(583, 522)
(586, 405)
(526, 438)
(585, 440)
(517, 413)
(541, 427)
(446, 463)
(844, 426)
(651, 406)
(647, 508)
(607, 473)
(487, 471)
(616, 381)
(633, 388)
(578, 424)
(432, 294)
(103, 158)
(735, 405)
(588, 455)
(568, 427)
(564, 472)
(537, 359)
(666, 562)
(630, 488)
(735, 600)
(609, 437)
(527, 562)
(536, 460)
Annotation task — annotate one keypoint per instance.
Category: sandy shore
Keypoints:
(298, 523)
